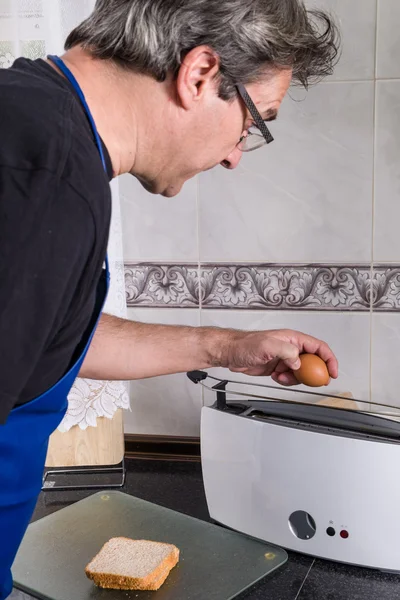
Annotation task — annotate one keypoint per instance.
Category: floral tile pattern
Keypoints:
(160, 286)
(264, 287)
(6, 56)
(385, 288)
(286, 287)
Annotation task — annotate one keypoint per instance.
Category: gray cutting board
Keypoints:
(215, 563)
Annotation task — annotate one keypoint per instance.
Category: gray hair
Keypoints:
(249, 36)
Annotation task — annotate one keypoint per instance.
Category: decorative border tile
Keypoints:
(162, 286)
(386, 288)
(280, 287)
(264, 287)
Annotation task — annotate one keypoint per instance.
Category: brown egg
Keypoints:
(313, 371)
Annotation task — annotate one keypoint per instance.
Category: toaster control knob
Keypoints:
(302, 525)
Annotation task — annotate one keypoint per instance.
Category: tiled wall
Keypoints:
(303, 235)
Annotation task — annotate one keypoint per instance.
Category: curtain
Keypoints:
(33, 29)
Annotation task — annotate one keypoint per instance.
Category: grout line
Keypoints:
(305, 579)
(370, 80)
(378, 264)
(352, 81)
(333, 81)
(256, 263)
(262, 311)
(374, 155)
(198, 240)
(376, 39)
(377, 13)
(200, 309)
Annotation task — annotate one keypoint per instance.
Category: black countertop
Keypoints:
(179, 486)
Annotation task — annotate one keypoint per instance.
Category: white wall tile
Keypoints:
(385, 359)
(157, 228)
(168, 405)
(388, 50)
(357, 23)
(348, 334)
(387, 171)
(306, 197)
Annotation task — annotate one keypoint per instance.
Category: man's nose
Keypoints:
(232, 161)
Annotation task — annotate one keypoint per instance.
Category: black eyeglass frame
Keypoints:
(258, 120)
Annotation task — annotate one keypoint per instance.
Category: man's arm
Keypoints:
(127, 350)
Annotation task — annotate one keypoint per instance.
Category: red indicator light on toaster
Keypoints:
(344, 534)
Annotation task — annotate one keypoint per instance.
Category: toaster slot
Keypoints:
(321, 418)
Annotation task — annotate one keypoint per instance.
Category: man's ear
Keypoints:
(197, 75)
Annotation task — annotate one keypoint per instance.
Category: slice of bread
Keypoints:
(127, 564)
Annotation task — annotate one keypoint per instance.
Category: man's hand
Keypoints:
(275, 354)
(125, 350)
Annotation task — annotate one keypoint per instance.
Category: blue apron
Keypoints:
(24, 438)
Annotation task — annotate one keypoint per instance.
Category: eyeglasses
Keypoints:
(258, 135)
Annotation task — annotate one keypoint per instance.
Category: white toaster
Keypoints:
(316, 480)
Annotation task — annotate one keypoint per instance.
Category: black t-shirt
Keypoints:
(55, 209)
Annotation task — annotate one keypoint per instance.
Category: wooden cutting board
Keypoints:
(95, 446)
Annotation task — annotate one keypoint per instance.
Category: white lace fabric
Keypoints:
(35, 28)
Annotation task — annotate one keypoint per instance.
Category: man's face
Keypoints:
(209, 136)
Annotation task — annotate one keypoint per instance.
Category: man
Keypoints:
(161, 89)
